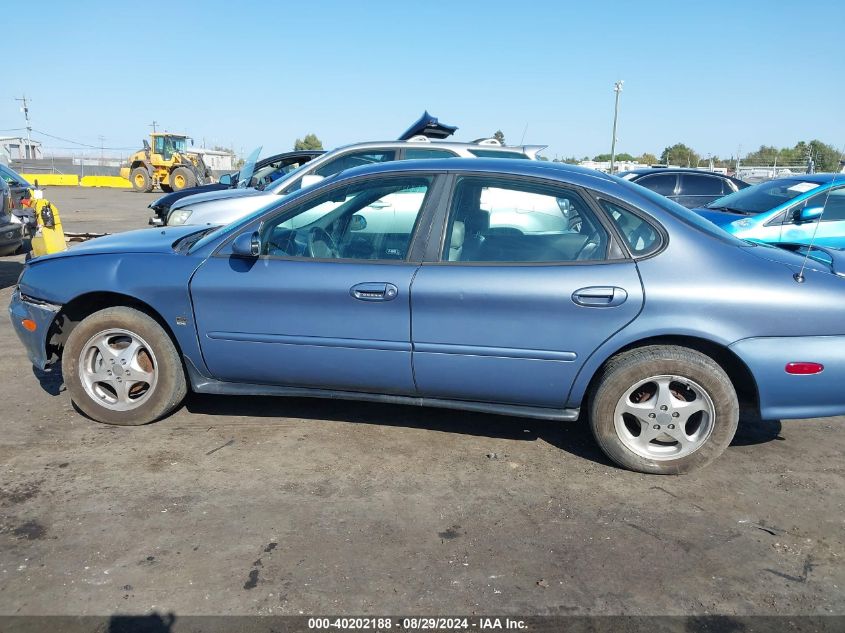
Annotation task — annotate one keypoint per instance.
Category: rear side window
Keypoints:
(499, 220)
(664, 184)
(694, 185)
(419, 153)
(642, 238)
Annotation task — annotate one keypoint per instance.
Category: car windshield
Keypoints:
(13, 179)
(763, 197)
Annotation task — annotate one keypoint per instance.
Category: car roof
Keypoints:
(438, 144)
(672, 170)
(821, 178)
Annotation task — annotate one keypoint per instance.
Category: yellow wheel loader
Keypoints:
(167, 163)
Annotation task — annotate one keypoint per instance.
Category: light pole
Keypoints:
(617, 88)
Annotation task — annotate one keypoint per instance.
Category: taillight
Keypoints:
(804, 369)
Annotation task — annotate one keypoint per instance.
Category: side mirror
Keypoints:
(247, 245)
(226, 179)
(357, 223)
(311, 179)
(807, 214)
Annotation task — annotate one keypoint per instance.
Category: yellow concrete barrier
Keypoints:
(105, 181)
(53, 180)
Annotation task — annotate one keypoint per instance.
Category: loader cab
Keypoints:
(165, 145)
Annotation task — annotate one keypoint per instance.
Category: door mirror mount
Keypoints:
(225, 179)
(247, 245)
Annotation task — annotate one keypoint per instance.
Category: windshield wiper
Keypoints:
(732, 210)
(184, 245)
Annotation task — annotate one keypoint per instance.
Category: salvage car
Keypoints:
(412, 282)
(799, 209)
(254, 173)
(688, 187)
(11, 232)
(424, 139)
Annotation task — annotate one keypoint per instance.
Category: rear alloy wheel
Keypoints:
(663, 410)
(182, 178)
(141, 181)
(121, 367)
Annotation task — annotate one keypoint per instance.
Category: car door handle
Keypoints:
(600, 296)
(374, 291)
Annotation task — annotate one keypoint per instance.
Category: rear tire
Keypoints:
(663, 409)
(120, 367)
(141, 180)
(182, 178)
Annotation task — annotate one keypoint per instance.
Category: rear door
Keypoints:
(523, 290)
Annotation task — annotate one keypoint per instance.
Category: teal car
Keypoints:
(796, 209)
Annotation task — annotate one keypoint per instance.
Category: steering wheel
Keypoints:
(321, 245)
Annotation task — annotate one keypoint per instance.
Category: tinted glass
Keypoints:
(354, 159)
(416, 153)
(368, 221)
(496, 220)
(763, 197)
(695, 185)
(664, 184)
(642, 238)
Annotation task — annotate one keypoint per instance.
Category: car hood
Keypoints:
(140, 241)
(211, 196)
(719, 218)
(165, 201)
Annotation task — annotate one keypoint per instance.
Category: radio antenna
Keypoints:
(799, 276)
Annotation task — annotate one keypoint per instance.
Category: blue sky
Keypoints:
(716, 75)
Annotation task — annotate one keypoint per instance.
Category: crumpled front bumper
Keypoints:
(42, 315)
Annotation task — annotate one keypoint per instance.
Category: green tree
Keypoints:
(499, 136)
(679, 154)
(826, 157)
(309, 142)
(647, 159)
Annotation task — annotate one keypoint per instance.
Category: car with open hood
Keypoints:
(254, 173)
(408, 282)
(425, 139)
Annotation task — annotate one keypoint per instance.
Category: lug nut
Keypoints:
(671, 426)
(676, 414)
(663, 407)
(656, 427)
(652, 415)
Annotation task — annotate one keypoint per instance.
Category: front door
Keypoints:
(523, 294)
(327, 303)
(829, 230)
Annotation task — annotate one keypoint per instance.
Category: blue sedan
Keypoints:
(506, 287)
(799, 209)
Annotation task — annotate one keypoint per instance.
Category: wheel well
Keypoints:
(738, 372)
(73, 312)
(137, 164)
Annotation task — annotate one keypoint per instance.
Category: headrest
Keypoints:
(458, 235)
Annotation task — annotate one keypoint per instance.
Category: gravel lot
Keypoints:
(288, 506)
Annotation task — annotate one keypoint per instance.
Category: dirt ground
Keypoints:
(291, 506)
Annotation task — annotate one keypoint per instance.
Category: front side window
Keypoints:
(642, 238)
(498, 220)
(834, 204)
(374, 220)
(354, 159)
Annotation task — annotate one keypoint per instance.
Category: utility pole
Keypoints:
(25, 110)
(617, 88)
(153, 125)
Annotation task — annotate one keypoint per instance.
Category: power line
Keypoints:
(67, 140)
